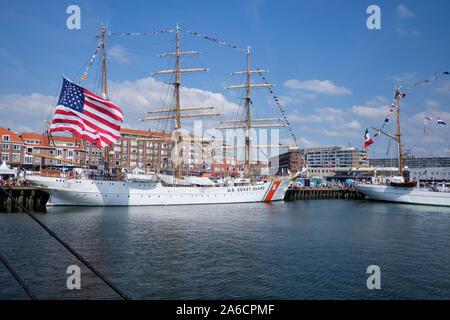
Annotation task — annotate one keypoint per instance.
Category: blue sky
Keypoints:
(334, 76)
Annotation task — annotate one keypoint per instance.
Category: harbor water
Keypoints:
(309, 249)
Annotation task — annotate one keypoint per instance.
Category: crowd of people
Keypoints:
(13, 182)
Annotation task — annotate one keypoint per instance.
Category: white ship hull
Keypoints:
(85, 192)
(404, 195)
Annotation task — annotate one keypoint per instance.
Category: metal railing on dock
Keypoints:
(31, 198)
(322, 193)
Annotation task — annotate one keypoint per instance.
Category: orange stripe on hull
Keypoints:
(272, 190)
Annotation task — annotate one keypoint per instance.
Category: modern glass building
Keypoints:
(334, 157)
(413, 162)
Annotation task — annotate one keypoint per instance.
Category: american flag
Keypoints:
(86, 115)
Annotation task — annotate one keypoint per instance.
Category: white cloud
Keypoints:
(308, 143)
(133, 97)
(369, 112)
(325, 87)
(331, 122)
(25, 112)
(404, 12)
(404, 77)
(432, 103)
(118, 53)
(352, 125)
(297, 117)
(137, 97)
(409, 32)
(445, 89)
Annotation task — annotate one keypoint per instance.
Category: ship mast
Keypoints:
(248, 121)
(399, 135)
(178, 110)
(104, 81)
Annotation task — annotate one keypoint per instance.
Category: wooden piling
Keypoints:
(293, 194)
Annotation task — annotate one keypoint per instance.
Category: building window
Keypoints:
(133, 143)
(5, 146)
(149, 144)
(117, 149)
(5, 156)
(117, 163)
(16, 157)
(5, 138)
(17, 147)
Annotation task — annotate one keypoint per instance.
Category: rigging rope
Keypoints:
(283, 113)
(215, 40)
(18, 279)
(69, 248)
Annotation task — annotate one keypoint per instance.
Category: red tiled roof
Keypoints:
(45, 142)
(13, 137)
(142, 132)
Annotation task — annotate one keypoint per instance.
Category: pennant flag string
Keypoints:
(283, 113)
(427, 81)
(140, 33)
(86, 71)
(215, 40)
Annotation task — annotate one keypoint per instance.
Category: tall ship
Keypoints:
(157, 188)
(399, 188)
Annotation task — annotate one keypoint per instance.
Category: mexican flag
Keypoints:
(368, 141)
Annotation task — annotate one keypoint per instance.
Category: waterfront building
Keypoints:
(61, 147)
(224, 167)
(11, 147)
(331, 157)
(413, 162)
(259, 168)
(291, 160)
(151, 151)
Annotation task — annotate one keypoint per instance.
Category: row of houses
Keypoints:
(136, 149)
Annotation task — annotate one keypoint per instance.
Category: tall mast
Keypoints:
(105, 90)
(178, 110)
(104, 80)
(247, 123)
(399, 135)
(177, 86)
(247, 104)
(177, 93)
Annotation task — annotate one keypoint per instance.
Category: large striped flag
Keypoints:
(86, 115)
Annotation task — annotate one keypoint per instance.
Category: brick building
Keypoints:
(66, 148)
(291, 160)
(223, 167)
(11, 147)
(148, 150)
(152, 150)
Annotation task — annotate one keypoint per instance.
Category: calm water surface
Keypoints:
(316, 249)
